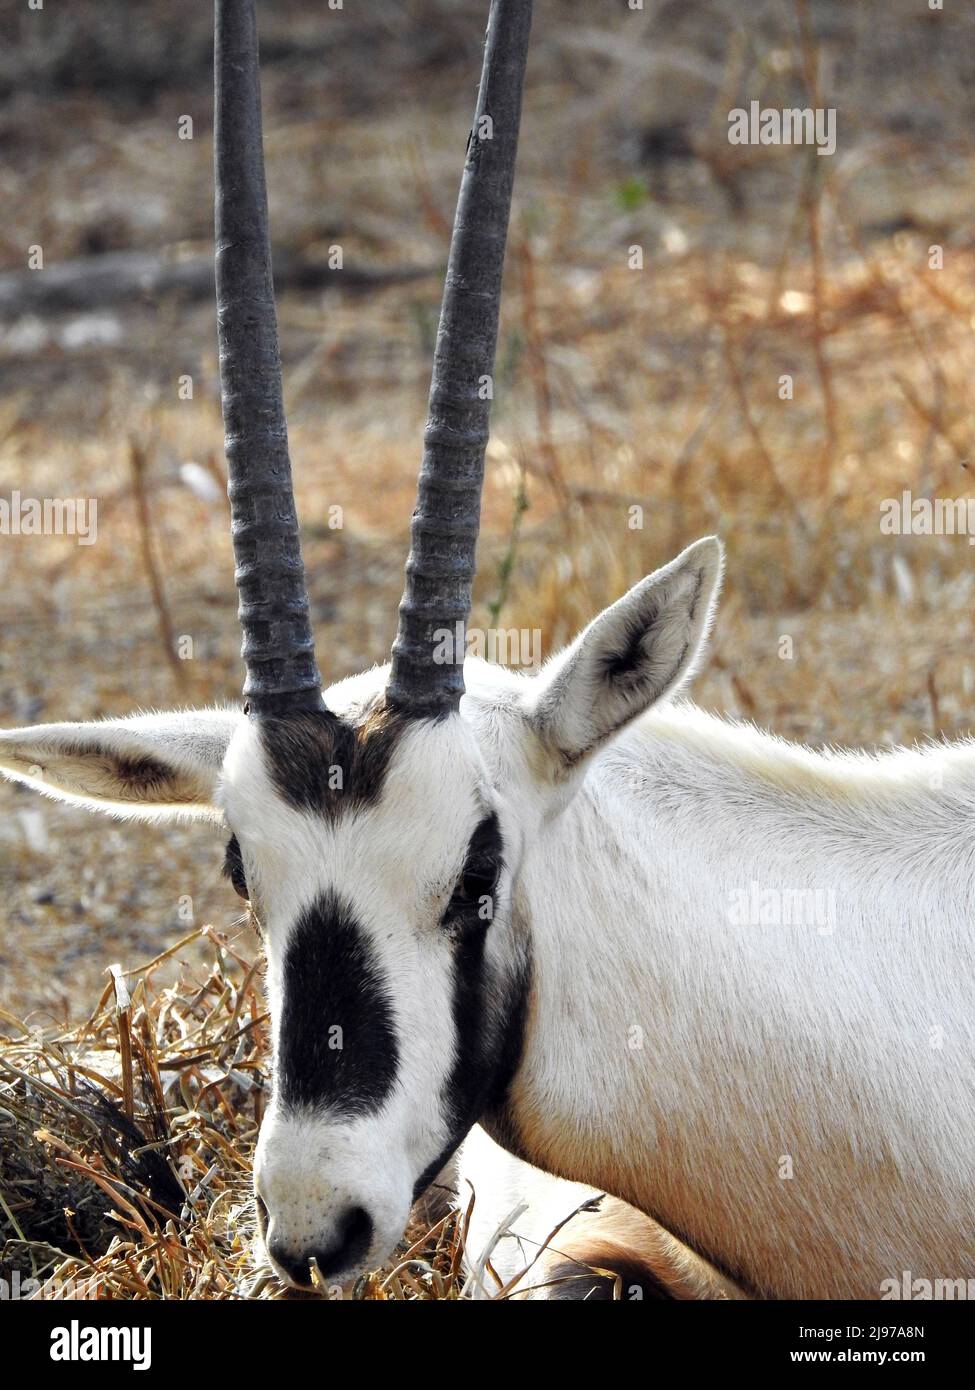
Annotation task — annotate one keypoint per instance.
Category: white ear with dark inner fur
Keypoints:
(634, 654)
(146, 766)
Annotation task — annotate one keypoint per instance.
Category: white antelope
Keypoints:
(528, 902)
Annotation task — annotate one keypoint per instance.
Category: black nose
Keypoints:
(352, 1239)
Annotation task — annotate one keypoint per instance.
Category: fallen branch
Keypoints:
(121, 276)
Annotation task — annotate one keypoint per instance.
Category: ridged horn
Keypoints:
(278, 647)
(440, 568)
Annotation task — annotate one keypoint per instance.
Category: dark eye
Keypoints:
(471, 905)
(477, 883)
(233, 867)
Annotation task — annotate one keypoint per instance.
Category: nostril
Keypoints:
(296, 1269)
(353, 1237)
(350, 1246)
(358, 1233)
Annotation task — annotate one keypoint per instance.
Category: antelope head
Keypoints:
(370, 827)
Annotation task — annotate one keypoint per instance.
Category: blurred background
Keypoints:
(635, 408)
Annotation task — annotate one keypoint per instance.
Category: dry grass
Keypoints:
(616, 390)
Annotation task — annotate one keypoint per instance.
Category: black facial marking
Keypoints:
(489, 1011)
(490, 1041)
(323, 764)
(472, 1074)
(337, 1044)
(233, 868)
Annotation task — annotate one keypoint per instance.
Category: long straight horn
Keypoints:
(440, 568)
(278, 648)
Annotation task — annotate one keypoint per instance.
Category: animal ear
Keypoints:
(145, 766)
(635, 653)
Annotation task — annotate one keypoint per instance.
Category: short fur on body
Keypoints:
(793, 1099)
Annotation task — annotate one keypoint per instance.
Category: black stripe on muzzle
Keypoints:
(337, 1044)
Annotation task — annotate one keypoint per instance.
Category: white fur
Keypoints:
(762, 1043)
